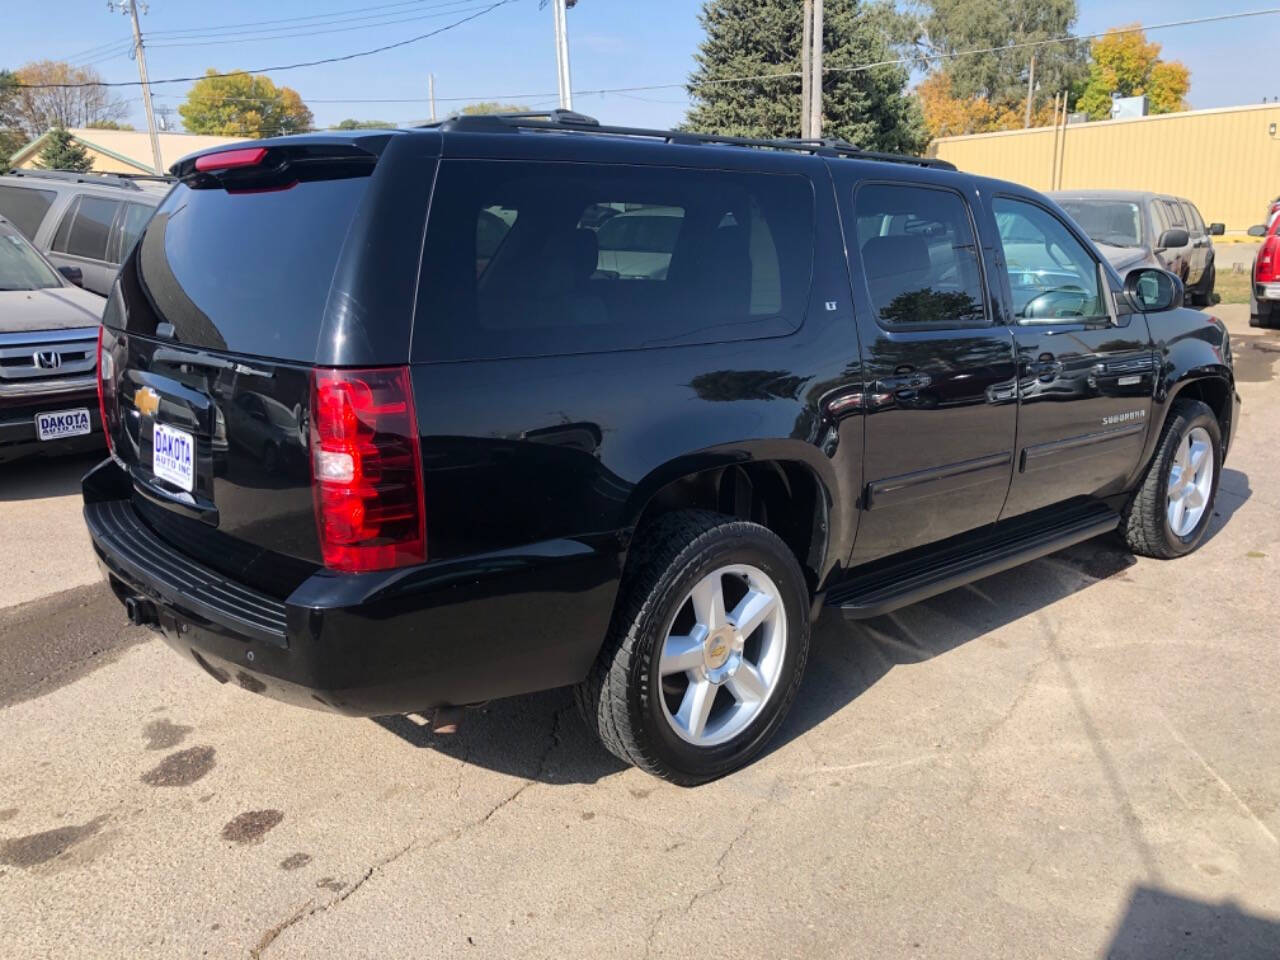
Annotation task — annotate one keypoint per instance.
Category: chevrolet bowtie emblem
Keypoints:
(147, 401)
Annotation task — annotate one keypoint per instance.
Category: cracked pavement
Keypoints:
(1076, 758)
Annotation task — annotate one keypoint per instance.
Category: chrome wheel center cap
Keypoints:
(721, 653)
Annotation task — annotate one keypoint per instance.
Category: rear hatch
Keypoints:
(254, 271)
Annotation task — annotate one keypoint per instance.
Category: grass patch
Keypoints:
(1233, 287)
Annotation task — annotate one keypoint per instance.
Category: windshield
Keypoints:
(21, 268)
(1114, 222)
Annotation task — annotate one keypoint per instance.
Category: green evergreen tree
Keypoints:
(61, 152)
(870, 108)
(11, 136)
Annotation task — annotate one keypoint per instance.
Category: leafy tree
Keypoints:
(1124, 62)
(869, 108)
(351, 124)
(11, 136)
(491, 106)
(110, 125)
(62, 152)
(243, 105)
(946, 115)
(41, 108)
(988, 91)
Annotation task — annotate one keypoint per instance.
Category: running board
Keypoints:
(899, 583)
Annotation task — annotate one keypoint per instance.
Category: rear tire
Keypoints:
(1203, 296)
(1264, 315)
(688, 700)
(1169, 513)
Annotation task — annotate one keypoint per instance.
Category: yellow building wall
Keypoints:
(1225, 161)
(102, 163)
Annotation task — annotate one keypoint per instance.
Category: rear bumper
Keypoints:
(1268, 292)
(445, 633)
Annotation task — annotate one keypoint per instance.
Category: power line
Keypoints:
(641, 88)
(305, 30)
(281, 67)
(335, 17)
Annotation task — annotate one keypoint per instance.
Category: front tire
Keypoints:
(1169, 513)
(706, 650)
(1203, 297)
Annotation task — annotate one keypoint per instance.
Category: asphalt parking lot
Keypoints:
(1077, 758)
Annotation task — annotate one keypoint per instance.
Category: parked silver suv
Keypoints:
(1139, 229)
(89, 221)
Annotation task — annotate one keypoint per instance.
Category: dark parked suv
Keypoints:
(503, 461)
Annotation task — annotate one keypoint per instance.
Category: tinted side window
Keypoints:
(132, 223)
(25, 208)
(64, 227)
(918, 255)
(529, 259)
(1193, 218)
(91, 227)
(1174, 212)
(1052, 276)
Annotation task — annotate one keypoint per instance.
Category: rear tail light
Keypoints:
(1268, 268)
(366, 468)
(106, 387)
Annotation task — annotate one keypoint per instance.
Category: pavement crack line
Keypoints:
(311, 908)
(718, 884)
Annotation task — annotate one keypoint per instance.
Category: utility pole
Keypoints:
(431, 92)
(562, 55)
(815, 113)
(806, 79)
(1031, 85)
(130, 8)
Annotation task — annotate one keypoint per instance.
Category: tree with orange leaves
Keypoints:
(1125, 63)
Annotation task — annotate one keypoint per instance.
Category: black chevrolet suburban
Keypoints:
(400, 423)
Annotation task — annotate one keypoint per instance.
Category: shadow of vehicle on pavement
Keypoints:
(541, 736)
(1164, 926)
(39, 477)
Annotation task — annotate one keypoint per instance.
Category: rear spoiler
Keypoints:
(279, 163)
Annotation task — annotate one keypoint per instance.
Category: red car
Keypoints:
(1264, 295)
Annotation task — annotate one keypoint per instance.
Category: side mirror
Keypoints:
(1217, 229)
(1152, 290)
(1259, 231)
(74, 274)
(1177, 237)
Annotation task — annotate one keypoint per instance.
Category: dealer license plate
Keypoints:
(173, 456)
(62, 423)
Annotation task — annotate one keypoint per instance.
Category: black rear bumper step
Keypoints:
(139, 557)
(903, 582)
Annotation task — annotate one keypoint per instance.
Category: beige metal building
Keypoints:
(123, 151)
(1226, 161)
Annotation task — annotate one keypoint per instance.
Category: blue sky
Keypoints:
(509, 52)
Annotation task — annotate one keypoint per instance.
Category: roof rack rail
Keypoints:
(125, 181)
(568, 120)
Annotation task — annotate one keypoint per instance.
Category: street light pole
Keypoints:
(562, 55)
(130, 7)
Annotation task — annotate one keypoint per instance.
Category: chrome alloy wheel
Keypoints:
(722, 656)
(1190, 481)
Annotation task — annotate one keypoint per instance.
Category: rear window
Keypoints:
(247, 272)
(529, 259)
(25, 207)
